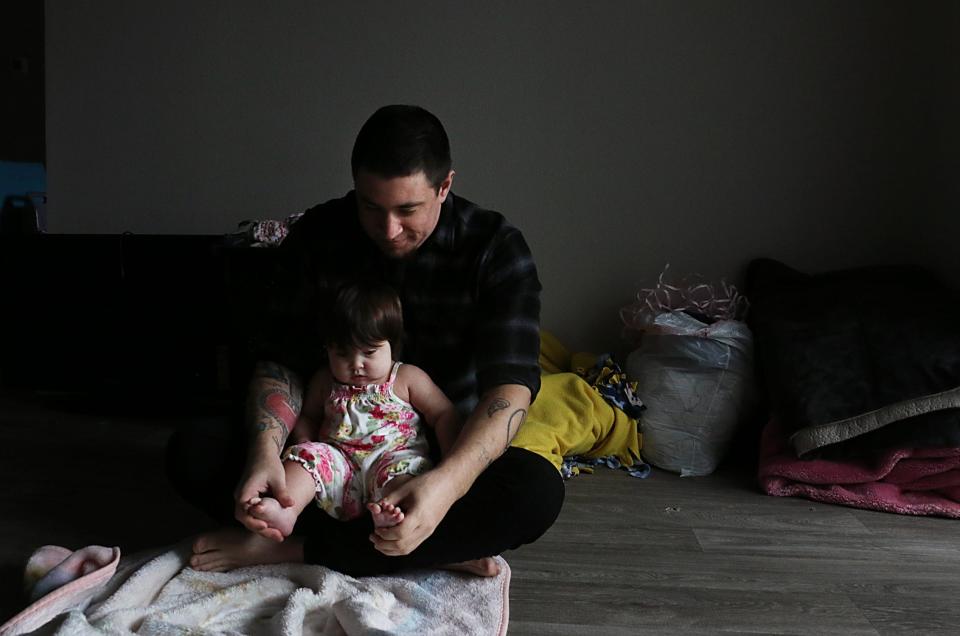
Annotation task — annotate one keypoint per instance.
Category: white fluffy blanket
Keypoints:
(158, 594)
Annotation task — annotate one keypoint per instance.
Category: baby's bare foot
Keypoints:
(233, 548)
(385, 514)
(487, 566)
(279, 520)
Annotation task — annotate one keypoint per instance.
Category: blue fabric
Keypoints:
(572, 466)
(612, 384)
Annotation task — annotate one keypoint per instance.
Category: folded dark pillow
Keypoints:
(844, 354)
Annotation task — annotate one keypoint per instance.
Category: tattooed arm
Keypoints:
(489, 431)
(425, 500)
(273, 403)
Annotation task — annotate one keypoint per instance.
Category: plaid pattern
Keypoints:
(471, 296)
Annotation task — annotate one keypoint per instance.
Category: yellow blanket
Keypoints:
(569, 417)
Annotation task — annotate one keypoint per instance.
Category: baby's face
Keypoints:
(363, 365)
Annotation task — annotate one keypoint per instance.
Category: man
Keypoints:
(470, 296)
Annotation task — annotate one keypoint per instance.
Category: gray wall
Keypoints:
(939, 194)
(618, 135)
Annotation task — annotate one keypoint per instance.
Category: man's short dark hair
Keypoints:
(364, 314)
(398, 141)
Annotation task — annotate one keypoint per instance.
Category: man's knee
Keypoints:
(538, 493)
(203, 462)
(179, 461)
(198, 447)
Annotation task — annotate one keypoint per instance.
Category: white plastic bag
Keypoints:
(696, 381)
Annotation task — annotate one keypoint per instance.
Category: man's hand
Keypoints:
(424, 501)
(263, 476)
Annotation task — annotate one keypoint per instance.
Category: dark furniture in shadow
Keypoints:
(120, 317)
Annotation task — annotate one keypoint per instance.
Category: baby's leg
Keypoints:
(389, 472)
(280, 520)
(386, 514)
(313, 471)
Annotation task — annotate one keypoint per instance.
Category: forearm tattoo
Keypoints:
(498, 404)
(276, 414)
(274, 409)
(514, 423)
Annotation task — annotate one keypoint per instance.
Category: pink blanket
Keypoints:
(907, 481)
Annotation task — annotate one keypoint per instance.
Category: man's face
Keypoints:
(399, 213)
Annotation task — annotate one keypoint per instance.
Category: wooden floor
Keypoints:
(663, 555)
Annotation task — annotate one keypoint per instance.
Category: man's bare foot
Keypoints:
(385, 514)
(486, 566)
(279, 520)
(231, 548)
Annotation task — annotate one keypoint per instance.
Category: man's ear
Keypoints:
(445, 186)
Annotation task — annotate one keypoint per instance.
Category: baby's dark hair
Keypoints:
(365, 313)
